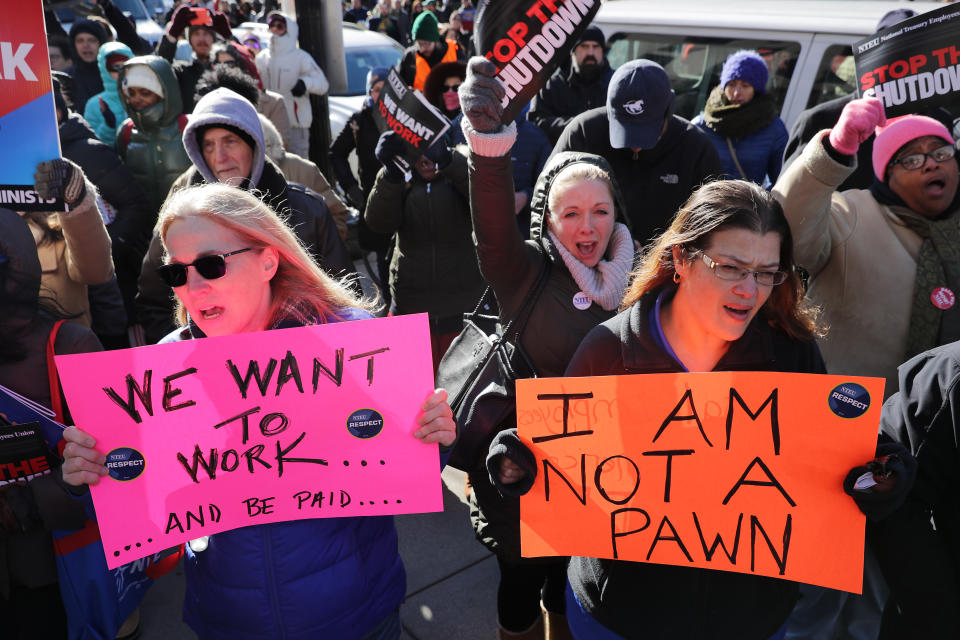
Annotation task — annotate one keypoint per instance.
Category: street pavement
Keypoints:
(451, 578)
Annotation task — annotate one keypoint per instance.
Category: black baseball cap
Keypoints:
(639, 100)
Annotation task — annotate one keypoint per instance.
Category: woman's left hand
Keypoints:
(436, 420)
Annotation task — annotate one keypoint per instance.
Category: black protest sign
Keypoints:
(23, 453)
(914, 65)
(527, 40)
(405, 111)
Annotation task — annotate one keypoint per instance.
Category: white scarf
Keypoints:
(606, 282)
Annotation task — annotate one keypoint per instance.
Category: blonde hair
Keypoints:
(573, 173)
(299, 285)
(716, 206)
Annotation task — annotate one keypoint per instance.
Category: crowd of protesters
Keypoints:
(644, 242)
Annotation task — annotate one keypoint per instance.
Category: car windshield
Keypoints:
(135, 7)
(361, 60)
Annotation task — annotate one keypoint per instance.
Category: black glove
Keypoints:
(60, 178)
(481, 95)
(507, 443)
(108, 117)
(355, 198)
(894, 469)
(298, 89)
(389, 148)
(439, 153)
(180, 21)
(222, 25)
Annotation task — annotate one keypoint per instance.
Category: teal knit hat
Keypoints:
(425, 27)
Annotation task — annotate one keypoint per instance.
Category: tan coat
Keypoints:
(305, 172)
(81, 258)
(272, 105)
(862, 262)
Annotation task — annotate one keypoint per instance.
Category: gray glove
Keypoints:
(481, 95)
(60, 178)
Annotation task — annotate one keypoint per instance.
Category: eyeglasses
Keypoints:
(733, 272)
(451, 87)
(913, 161)
(115, 67)
(210, 267)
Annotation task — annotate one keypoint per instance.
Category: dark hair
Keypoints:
(228, 77)
(717, 206)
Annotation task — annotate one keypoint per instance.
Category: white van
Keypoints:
(807, 43)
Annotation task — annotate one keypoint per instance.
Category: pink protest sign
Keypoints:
(209, 435)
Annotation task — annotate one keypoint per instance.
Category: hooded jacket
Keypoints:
(302, 171)
(434, 267)
(110, 95)
(282, 65)
(297, 580)
(304, 209)
(27, 559)
(645, 600)
(120, 193)
(86, 75)
(556, 326)
(149, 140)
(655, 182)
(568, 94)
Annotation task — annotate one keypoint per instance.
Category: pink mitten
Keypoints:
(857, 122)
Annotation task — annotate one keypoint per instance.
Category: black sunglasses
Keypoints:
(451, 87)
(210, 267)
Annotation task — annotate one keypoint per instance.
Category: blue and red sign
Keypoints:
(28, 117)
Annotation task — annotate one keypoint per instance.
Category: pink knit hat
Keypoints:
(900, 131)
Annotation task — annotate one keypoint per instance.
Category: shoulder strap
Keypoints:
(516, 325)
(182, 121)
(736, 161)
(53, 378)
(125, 133)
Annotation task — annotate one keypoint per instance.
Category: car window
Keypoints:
(694, 63)
(361, 60)
(836, 75)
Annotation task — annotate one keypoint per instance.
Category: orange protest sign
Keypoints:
(736, 471)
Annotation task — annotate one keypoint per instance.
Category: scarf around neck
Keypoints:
(738, 120)
(606, 282)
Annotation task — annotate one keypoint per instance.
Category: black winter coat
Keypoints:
(188, 73)
(655, 182)
(130, 229)
(86, 83)
(566, 95)
(918, 547)
(307, 215)
(652, 601)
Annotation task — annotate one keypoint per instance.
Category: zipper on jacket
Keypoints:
(272, 581)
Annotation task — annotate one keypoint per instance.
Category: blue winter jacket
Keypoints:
(760, 153)
(305, 579)
(110, 95)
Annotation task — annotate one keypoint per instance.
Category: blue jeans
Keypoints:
(386, 629)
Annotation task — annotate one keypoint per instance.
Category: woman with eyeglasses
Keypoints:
(884, 262)
(236, 267)
(440, 88)
(717, 291)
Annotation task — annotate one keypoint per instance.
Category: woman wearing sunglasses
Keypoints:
(717, 291)
(235, 268)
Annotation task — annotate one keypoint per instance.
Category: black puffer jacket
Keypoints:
(434, 266)
(305, 212)
(918, 547)
(651, 601)
(510, 266)
(130, 229)
(566, 95)
(27, 559)
(655, 182)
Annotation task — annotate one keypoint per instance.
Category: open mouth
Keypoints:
(587, 249)
(935, 187)
(738, 313)
(211, 313)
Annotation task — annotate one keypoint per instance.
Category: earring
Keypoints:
(676, 277)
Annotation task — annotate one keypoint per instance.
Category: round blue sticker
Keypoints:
(849, 400)
(125, 464)
(365, 423)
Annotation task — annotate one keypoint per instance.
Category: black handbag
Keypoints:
(479, 369)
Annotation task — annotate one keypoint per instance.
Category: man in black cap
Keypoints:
(658, 158)
(202, 27)
(86, 36)
(575, 87)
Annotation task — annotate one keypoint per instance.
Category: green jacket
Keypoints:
(150, 141)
